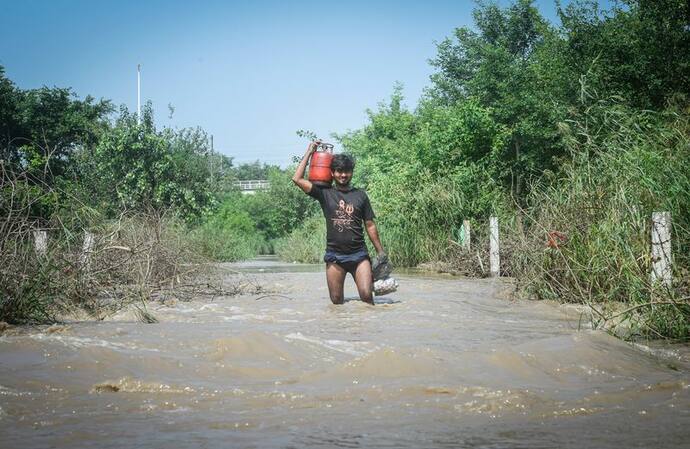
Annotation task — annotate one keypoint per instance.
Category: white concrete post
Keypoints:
(494, 257)
(41, 242)
(661, 248)
(87, 249)
(467, 236)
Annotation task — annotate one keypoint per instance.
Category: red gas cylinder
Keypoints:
(320, 165)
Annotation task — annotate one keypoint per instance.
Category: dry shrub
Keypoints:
(134, 258)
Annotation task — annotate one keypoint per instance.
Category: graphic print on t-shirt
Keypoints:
(345, 212)
(343, 216)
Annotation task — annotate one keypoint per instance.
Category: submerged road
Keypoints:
(443, 362)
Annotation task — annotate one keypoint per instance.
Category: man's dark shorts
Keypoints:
(348, 262)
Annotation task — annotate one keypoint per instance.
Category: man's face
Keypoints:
(342, 178)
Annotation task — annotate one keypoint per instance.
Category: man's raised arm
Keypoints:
(298, 178)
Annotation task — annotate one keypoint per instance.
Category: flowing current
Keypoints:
(443, 362)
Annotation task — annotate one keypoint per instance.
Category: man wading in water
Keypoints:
(347, 211)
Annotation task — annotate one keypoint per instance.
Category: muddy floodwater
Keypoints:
(443, 362)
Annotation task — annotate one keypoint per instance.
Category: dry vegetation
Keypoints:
(129, 261)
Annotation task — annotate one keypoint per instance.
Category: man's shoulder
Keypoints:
(353, 192)
(317, 190)
(321, 188)
(360, 192)
(357, 190)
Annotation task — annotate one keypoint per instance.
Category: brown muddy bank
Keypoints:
(440, 363)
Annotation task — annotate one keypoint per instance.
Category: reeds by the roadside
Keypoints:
(128, 259)
(636, 164)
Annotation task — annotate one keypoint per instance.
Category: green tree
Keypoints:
(639, 50)
(9, 120)
(426, 171)
(510, 65)
(134, 166)
(276, 211)
(41, 132)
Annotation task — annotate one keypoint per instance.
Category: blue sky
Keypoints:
(249, 72)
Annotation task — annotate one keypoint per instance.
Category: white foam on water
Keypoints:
(658, 352)
(259, 317)
(7, 391)
(85, 342)
(288, 311)
(247, 317)
(346, 347)
(209, 306)
(179, 309)
(284, 311)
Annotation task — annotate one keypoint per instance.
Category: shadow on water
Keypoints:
(377, 300)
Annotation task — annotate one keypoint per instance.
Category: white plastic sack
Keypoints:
(385, 286)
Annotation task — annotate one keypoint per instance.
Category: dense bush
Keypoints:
(305, 244)
(602, 203)
(425, 173)
(229, 233)
(129, 259)
(135, 166)
(281, 208)
(66, 168)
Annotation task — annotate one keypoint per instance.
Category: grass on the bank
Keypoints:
(304, 244)
(603, 204)
(131, 258)
(226, 244)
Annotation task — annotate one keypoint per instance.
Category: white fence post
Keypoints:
(87, 249)
(466, 235)
(661, 248)
(41, 242)
(494, 257)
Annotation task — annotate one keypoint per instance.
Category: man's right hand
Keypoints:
(382, 257)
(311, 149)
(298, 177)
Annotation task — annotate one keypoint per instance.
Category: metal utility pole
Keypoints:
(211, 165)
(138, 94)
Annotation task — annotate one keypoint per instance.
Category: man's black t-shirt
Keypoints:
(344, 212)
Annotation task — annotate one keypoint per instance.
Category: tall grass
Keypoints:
(226, 244)
(625, 165)
(306, 243)
(419, 212)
